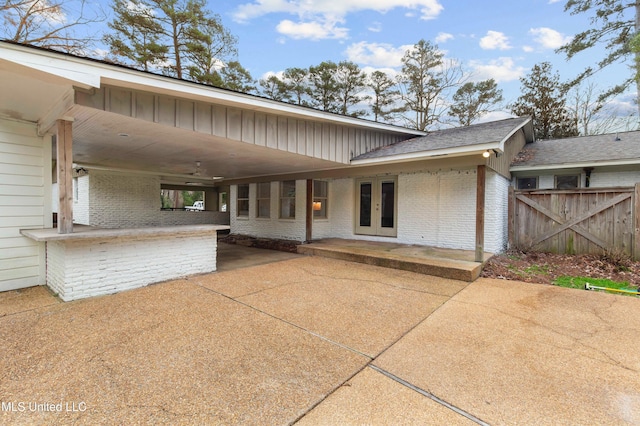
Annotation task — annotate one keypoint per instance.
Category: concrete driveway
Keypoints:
(321, 341)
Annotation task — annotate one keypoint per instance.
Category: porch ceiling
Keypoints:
(114, 141)
(36, 96)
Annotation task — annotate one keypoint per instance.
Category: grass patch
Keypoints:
(579, 282)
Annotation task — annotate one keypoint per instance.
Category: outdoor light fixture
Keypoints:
(487, 153)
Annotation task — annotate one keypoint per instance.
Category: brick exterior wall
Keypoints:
(123, 201)
(496, 230)
(79, 268)
(434, 208)
(112, 200)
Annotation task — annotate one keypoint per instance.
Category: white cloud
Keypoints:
(501, 70)
(548, 38)
(495, 40)
(528, 49)
(314, 17)
(443, 37)
(376, 54)
(429, 9)
(311, 30)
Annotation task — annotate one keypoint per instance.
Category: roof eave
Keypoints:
(543, 167)
(430, 155)
(89, 73)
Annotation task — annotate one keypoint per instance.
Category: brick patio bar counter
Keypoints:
(96, 261)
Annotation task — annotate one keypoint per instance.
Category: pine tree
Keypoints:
(385, 95)
(425, 80)
(473, 100)
(543, 98)
(615, 24)
(136, 35)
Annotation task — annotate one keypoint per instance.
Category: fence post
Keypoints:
(511, 217)
(636, 221)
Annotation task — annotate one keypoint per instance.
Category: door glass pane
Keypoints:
(386, 204)
(365, 204)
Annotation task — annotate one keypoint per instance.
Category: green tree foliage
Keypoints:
(181, 38)
(425, 80)
(323, 87)
(136, 36)
(473, 100)
(296, 85)
(48, 23)
(272, 87)
(209, 43)
(350, 83)
(385, 96)
(236, 77)
(615, 25)
(543, 98)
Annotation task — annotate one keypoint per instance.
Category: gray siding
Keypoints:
(319, 139)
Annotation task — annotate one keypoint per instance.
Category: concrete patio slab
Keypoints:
(172, 353)
(371, 398)
(285, 342)
(26, 299)
(233, 256)
(516, 353)
(362, 307)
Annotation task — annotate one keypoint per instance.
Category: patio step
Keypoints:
(440, 267)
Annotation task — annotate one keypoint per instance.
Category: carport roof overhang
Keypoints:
(39, 86)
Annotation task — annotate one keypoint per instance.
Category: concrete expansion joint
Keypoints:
(429, 395)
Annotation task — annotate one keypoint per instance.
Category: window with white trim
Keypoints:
(263, 198)
(567, 181)
(320, 197)
(288, 199)
(243, 201)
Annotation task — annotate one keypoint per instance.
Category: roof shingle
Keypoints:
(469, 136)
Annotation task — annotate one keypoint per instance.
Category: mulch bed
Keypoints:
(288, 246)
(544, 268)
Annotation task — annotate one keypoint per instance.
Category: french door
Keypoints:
(376, 206)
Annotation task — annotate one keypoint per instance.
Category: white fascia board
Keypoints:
(632, 162)
(51, 63)
(431, 155)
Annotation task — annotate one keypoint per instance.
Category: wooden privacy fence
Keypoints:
(579, 221)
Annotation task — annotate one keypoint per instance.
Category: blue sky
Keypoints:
(499, 39)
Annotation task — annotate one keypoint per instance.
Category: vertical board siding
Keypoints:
(313, 138)
(538, 217)
(25, 161)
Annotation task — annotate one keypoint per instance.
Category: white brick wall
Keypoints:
(84, 268)
(123, 201)
(174, 218)
(496, 231)
(272, 227)
(81, 203)
(434, 208)
(116, 200)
